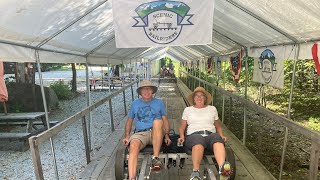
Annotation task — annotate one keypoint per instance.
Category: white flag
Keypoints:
(268, 66)
(145, 23)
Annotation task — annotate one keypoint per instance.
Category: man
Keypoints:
(150, 116)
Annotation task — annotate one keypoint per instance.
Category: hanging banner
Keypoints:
(268, 67)
(235, 62)
(315, 54)
(151, 23)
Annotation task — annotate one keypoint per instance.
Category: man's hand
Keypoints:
(125, 141)
(167, 139)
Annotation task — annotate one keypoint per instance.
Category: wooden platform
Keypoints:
(248, 167)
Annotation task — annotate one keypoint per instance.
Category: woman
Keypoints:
(204, 132)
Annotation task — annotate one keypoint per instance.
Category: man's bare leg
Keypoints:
(157, 136)
(134, 150)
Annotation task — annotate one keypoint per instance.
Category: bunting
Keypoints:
(235, 62)
(315, 55)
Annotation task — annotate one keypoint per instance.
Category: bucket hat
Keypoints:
(147, 83)
(200, 89)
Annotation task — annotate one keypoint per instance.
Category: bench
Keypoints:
(105, 83)
(26, 118)
(34, 124)
(14, 136)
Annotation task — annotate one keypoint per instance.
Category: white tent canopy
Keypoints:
(68, 31)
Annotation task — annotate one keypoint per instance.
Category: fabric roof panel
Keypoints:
(243, 28)
(30, 22)
(87, 33)
(298, 18)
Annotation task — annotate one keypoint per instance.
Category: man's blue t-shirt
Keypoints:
(144, 113)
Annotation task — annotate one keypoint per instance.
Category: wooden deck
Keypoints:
(247, 166)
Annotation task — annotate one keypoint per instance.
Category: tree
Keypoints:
(74, 78)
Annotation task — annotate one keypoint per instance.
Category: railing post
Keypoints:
(314, 160)
(34, 148)
(124, 102)
(132, 93)
(85, 138)
(111, 116)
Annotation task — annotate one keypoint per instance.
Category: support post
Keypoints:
(34, 149)
(246, 97)
(111, 115)
(285, 141)
(46, 113)
(124, 102)
(85, 138)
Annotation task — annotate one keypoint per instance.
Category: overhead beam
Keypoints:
(39, 48)
(228, 38)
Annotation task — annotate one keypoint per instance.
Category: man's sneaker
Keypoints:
(225, 170)
(195, 175)
(156, 164)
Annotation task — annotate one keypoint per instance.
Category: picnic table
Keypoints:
(28, 119)
(114, 81)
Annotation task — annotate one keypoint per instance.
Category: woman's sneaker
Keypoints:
(195, 175)
(156, 164)
(225, 170)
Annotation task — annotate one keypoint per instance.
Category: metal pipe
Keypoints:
(88, 97)
(285, 141)
(38, 48)
(46, 112)
(124, 102)
(246, 97)
(223, 96)
(85, 139)
(111, 115)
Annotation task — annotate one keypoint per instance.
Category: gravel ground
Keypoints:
(68, 144)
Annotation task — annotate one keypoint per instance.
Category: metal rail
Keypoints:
(314, 136)
(36, 141)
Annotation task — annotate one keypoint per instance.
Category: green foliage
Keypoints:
(62, 90)
(314, 123)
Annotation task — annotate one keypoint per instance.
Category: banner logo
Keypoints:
(267, 64)
(162, 21)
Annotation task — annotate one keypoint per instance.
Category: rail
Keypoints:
(36, 141)
(310, 134)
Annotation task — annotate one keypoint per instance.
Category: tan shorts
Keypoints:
(144, 137)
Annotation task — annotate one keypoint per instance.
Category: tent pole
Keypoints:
(46, 112)
(285, 141)
(88, 97)
(246, 97)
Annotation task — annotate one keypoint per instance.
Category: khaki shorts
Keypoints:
(145, 137)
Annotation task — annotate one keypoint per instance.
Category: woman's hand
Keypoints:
(224, 138)
(181, 140)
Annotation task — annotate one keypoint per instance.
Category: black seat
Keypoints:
(206, 151)
(149, 149)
